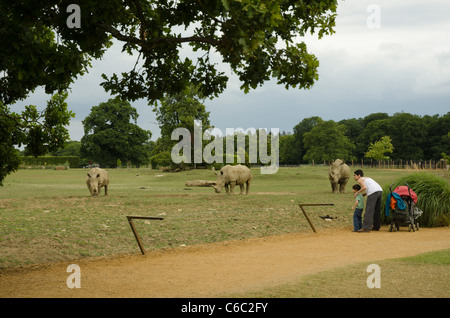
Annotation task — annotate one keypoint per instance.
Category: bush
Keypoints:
(433, 197)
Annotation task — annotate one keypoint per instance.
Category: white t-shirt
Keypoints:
(371, 186)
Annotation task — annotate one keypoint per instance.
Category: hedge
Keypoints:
(74, 161)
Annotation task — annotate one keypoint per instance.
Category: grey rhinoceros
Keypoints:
(230, 176)
(338, 173)
(97, 178)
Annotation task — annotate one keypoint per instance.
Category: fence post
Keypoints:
(301, 205)
(133, 229)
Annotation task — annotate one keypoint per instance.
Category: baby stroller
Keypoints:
(402, 202)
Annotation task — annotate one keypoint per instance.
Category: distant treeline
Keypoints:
(417, 138)
(418, 141)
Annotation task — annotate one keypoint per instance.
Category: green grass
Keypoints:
(49, 215)
(422, 276)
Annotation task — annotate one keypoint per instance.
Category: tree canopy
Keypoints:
(38, 131)
(176, 44)
(327, 141)
(179, 110)
(379, 149)
(412, 137)
(257, 39)
(110, 135)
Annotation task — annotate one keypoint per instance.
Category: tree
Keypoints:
(299, 130)
(34, 56)
(72, 148)
(444, 155)
(438, 138)
(326, 141)
(256, 38)
(374, 116)
(409, 135)
(109, 135)
(372, 132)
(353, 129)
(288, 153)
(179, 110)
(39, 131)
(378, 149)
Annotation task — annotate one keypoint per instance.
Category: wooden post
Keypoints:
(130, 220)
(301, 205)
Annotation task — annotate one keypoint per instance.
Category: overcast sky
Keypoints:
(386, 56)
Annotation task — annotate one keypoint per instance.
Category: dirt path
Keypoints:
(214, 270)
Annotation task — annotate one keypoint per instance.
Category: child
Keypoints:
(358, 208)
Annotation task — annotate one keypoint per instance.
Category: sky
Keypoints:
(386, 56)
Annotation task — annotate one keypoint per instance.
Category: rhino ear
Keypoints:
(88, 175)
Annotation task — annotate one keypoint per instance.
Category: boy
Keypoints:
(358, 208)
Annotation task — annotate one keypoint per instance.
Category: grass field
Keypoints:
(422, 276)
(49, 215)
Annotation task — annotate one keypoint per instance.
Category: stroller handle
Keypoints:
(390, 187)
(409, 189)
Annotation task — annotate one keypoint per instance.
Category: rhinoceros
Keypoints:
(232, 176)
(338, 173)
(97, 178)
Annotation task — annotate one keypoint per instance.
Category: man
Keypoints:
(372, 217)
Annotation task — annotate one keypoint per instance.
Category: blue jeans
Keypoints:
(357, 219)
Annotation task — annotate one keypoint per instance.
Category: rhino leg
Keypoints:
(232, 185)
(334, 187)
(242, 189)
(106, 190)
(342, 185)
(226, 189)
(248, 186)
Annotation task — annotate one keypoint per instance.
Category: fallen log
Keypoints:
(200, 183)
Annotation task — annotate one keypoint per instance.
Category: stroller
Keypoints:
(402, 202)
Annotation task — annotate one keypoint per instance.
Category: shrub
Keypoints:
(433, 197)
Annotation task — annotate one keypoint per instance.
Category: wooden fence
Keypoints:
(389, 164)
(403, 164)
